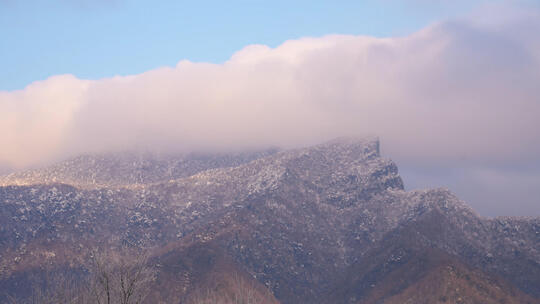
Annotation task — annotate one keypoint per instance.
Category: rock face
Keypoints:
(300, 222)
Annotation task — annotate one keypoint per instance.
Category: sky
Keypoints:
(104, 38)
(450, 87)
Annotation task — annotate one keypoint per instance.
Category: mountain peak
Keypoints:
(363, 145)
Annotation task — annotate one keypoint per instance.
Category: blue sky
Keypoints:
(96, 39)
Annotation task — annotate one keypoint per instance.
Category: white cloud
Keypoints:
(461, 89)
(34, 121)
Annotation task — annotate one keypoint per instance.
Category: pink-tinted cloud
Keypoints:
(462, 89)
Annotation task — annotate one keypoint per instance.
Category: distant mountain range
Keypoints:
(325, 224)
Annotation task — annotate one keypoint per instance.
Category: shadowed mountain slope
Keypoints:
(298, 222)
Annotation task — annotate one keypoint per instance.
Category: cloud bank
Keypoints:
(458, 92)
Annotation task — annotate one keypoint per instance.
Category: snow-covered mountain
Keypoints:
(129, 168)
(309, 224)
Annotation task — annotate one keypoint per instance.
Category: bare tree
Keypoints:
(120, 277)
(125, 277)
(114, 277)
